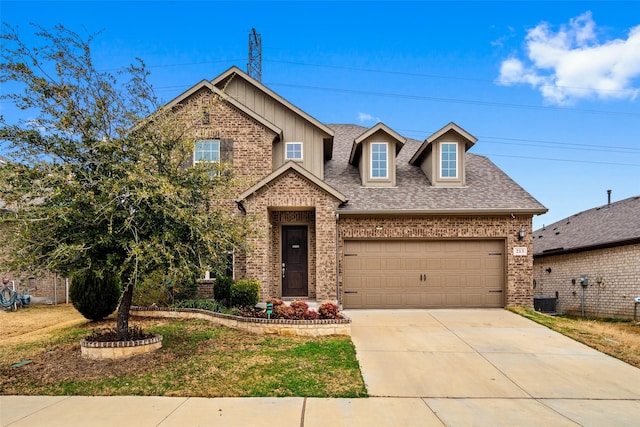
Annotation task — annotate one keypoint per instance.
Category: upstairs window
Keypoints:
(207, 151)
(449, 160)
(293, 151)
(379, 160)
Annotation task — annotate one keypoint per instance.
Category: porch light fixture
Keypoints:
(522, 233)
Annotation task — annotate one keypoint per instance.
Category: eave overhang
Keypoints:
(424, 149)
(204, 84)
(356, 148)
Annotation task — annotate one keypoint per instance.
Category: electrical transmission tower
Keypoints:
(254, 66)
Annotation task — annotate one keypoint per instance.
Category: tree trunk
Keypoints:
(122, 325)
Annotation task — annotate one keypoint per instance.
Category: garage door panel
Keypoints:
(459, 273)
(372, 264)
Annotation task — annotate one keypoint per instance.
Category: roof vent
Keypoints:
(608, 197)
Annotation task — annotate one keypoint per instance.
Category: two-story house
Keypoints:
(364, 216)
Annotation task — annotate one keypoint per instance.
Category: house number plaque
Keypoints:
(520, 251)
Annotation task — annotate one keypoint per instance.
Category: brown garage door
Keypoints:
(423, 274)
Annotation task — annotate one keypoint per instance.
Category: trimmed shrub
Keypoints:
(95, 294)
(222, 289)
(329, 310)
(245, 293)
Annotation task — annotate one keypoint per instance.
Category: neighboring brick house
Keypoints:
(602, 243)
(364, 216)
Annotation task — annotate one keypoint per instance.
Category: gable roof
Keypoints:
(614, 224)
(356, 148)
(291, 165)
(488, 190)
(204, 84)
(426, 145)
(222, 79)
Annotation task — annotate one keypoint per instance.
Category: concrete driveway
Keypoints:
(484, 366)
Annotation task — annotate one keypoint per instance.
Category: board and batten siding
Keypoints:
(295, 127)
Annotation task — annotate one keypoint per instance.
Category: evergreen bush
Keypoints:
(245, 293)
(222, 289)
(95, 294)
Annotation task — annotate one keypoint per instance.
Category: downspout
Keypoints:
(55, 288)
(66, 289)
(338, 261)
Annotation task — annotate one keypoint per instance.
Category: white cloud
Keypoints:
(366, 117)
(570, 63)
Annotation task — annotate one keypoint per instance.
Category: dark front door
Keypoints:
(295, 274)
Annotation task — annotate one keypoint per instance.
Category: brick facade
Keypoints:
(613, 277)
(292, 199)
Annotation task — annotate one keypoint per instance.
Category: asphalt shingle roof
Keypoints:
(487, 187)
(608, 225)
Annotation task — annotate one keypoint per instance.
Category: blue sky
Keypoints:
(550, 89)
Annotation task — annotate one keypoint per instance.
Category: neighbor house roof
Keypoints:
(614, 224)
(488, 190)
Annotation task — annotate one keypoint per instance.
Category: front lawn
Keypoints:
(198, 358)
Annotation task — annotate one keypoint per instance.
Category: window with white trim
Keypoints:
(449, 160)
(293, 151)
(207, 151)
(379, 160)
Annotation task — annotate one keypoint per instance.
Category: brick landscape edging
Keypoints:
(118, 349)
(313, 328)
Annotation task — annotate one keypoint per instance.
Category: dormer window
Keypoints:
(293, 151)
(374, 153)
(448, 160)
(442, 156)
(379, 160)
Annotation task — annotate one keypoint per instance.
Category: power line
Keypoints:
(425, 75)
(453, 100)
(561, 160)
(536, 142)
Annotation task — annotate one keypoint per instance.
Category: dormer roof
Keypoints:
(427, 144)
(356, 148)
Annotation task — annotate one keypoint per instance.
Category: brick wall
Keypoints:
(252, 142)
(293, 194)
(613, 275)
(47, 288)
(518, 269)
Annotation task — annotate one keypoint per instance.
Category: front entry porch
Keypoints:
(293, 247)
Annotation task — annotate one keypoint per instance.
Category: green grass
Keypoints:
(197, 359)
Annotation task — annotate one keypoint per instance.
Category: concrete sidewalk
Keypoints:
(122, 411)
(423, 367)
